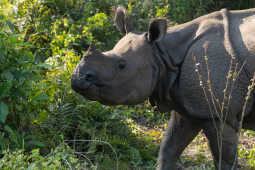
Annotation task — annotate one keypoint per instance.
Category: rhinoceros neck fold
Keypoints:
(169, 54)
(161, 54)
(165, 72)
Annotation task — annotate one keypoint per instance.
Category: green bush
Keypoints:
(61, 158)
(18, 73)
(181, 11)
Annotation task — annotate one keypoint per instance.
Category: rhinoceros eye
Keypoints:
(121, 65)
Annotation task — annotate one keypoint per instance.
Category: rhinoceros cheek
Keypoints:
(132, 98)
(91, 93)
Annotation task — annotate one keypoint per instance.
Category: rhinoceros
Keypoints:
(188, 68)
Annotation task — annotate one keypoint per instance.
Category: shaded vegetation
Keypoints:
(43, 123)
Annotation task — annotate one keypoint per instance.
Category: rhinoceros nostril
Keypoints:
(90, 77)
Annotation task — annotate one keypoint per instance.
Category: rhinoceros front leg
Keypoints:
(179, 133)
(229, 145)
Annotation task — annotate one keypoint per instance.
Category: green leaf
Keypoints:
(37, 143)
(44, 65)
(5, 88)
(19, 107)
(8, 129)
(42, 97)
(8, 75)
(3, 112)
(11, 26)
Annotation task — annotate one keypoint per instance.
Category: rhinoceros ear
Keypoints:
(122, 21)
(157, 29)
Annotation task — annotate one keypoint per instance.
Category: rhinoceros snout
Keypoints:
(82, 81)
(90, 77)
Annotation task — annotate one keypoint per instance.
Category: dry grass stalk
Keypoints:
(215, 106)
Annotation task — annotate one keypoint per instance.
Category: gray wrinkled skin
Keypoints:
(160, 65)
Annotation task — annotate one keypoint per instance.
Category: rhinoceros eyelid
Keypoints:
(146, 37)
(130, 41)
(122, 64)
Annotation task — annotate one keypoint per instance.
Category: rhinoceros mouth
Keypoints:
(103, 93)
(95, 92)
(91, 93)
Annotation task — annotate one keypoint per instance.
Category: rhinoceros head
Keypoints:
(125, 74)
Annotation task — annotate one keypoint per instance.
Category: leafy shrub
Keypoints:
(61, 158)
(18, 73)
(61, 23)
(181, 11)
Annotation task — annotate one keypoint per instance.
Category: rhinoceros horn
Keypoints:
(92, 47)
(91, 50)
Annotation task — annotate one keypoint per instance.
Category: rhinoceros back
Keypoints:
(224, 44)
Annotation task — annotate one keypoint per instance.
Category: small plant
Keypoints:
(62, 157)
